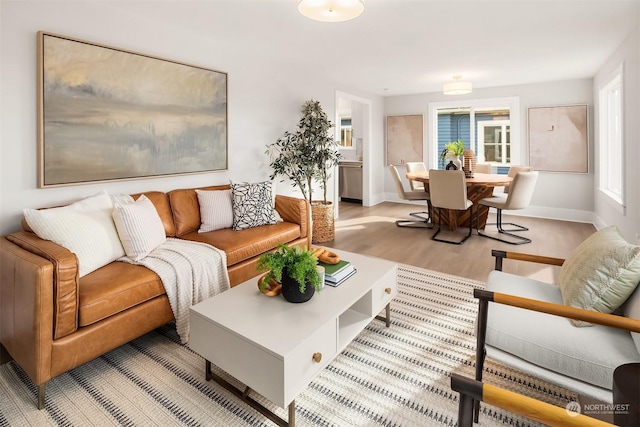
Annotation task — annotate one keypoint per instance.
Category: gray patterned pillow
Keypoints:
(252, 204)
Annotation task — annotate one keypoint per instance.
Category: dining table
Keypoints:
(479, 186)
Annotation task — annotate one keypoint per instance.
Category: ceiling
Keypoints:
(399, 47)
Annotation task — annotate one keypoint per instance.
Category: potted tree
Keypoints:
(294, 268)
(306, 155)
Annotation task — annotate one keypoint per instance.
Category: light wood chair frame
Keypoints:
(476, 391)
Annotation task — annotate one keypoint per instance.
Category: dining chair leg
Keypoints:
(453, 242)
(518, 240)
(422, 221)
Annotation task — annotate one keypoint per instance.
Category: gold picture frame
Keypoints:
(106, 114)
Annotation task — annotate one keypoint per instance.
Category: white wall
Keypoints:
(627, 54)
(264, 95)
(557, 195)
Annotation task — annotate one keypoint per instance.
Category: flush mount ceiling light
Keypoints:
(456, 87)
(331, 10)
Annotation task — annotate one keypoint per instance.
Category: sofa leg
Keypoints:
(41, 391)
(5, 357)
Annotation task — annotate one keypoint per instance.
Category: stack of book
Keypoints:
(335, 274)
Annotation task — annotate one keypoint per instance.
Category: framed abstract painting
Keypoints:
(110, 114)
(405, 136)
(559, 138)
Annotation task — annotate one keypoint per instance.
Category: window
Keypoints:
(490, 127)
(345, 131)
(611, 139)
(494, 142)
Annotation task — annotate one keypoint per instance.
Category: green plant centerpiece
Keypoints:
(293, 267)
(455, 148)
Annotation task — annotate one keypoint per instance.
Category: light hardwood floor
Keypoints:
(372, 231)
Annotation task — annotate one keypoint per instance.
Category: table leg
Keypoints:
(244, 396)
(292, 413)
(387, 317)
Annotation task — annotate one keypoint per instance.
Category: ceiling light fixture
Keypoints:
(331, 10)
(457, 87)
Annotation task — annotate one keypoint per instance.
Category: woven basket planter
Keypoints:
(323, 222)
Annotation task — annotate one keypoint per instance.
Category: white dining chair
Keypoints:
(416, 167)
(483, 168)
(448, 190)
(422, 217)
(519, 197)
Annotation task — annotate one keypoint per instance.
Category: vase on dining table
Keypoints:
(454, 162)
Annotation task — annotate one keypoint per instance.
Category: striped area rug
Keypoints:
(397, 376)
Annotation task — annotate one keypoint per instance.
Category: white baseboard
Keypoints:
(561, 214)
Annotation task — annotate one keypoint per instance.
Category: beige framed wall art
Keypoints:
(405, 136)
(110, 114)
(559, 138)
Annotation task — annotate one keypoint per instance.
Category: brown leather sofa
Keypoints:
(52, 321)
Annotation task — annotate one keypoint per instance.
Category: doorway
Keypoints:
(355, 138)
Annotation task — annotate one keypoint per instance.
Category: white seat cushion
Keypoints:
(552, 342)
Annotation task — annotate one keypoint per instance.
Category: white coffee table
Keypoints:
(275, 347)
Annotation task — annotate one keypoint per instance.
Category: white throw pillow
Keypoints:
(216, 210)
(139, 227)
(84, 227)
(252, 204)
(601, 273)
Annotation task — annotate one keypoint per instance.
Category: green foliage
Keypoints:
(456, 146)
(308, 154)
(297, 263)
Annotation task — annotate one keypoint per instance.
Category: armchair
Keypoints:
(527, 327)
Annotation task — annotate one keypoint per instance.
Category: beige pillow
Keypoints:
(84, 227)
(601, 273)
(139, 227)
(216, 210)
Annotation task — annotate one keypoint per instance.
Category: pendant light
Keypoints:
(331, 10)
(457, 87)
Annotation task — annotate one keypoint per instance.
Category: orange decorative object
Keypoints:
(326, 256)
(272, 289)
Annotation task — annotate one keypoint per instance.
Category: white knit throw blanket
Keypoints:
(190, 272)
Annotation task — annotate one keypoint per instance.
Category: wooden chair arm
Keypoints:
(513, 402)
(501, 255)
(612, 320)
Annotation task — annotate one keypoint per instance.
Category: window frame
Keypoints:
(512, 102)
(505, 126)
(609, 163)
